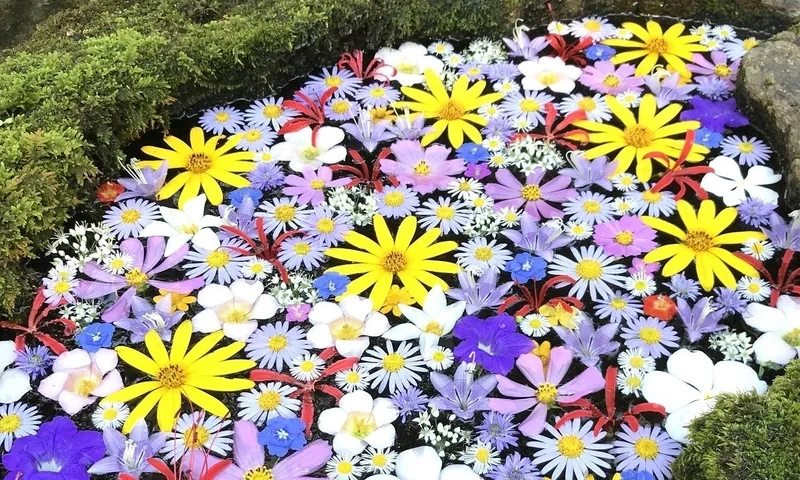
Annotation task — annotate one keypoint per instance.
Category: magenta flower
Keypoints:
(626, 237)
(718, 67)
(511, 193)
(605, 78)
(425, 170)
(309, 187)
(639, 266)
(547, 389)
(145, 267)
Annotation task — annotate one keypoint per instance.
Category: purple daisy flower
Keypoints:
(266, 175)
(309, 187)
(626, 237)
(397, 202)
(377, 95)
(34, 360)
(473, 70)
(326, 226)
(499, 430)
(651, 335)
(340, 108)
(500, 71)
(510, 192)
(492, 343)
(515, 467)
(343, 80)
(648, 449)
(718, 67)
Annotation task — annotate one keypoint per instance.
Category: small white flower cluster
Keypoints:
(484, 50)
(527, 154)
(82, 313)
(437, 431)
(483, 222)
(299, 289)
(734, 346)
(357, 202)
(81, 244)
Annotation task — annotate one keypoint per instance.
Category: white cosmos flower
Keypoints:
(408, 63)
(14, 383)
(299, 150)
(549, 72)
(235, 309)
(436, 318)
(727, 182)
(424, 463)
(690, 385)
(780, 340)
(359, 422)
(346, 325)
(188, 224)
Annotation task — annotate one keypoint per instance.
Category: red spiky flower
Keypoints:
(37, 320)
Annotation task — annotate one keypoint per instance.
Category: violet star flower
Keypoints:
(586, 173)
(541, 240)
(589, 344)
(700, 319)
(669, 89)
(523, 46)
(485, 293)
(129, 455)
(409, 127)
(492, 343)
(784, 235)
(546, 389)
(424, 169)
(146, 317)
(145, 266)
(309, 187)
(241, 217)
(510, 192)
(368, 133)
(462, 394)
(715, 116)
(144, 182)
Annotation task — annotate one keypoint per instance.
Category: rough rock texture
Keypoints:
(769, 90)
(790, 7)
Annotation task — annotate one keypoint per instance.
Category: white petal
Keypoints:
(450, 315)
(105, 359)
(764, 318)
(416, 316)
(8, 353)
(327, 137)
(206, 322)
(429, 62)
(352, 348)
(344, 443)
(405, 331)
(764, 194)
(358, 401)
(761, 175)
(14, 384)
(421, 463)
(668, 391)
(458, 472)
(158, 229)
(265, 307)
(246, 290)
(320, 336)
(383, 437)
(206, 238)
(726, 167)
(324, 313)
(50, 386)
(301, 137)
(357, 307)
(717, 185)
(332, 420)
(771, 348)
(435, 301)
(413, 50)
(693, 368)
(72, 360)
(175, 242)
(375, 325)
(384, 411)
(676, 422)
(731, 377)
(214, 295)
(334, 155)
(195, 207)
(239, 331)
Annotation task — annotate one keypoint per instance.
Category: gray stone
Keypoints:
(791, 7)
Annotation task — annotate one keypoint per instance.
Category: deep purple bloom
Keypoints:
(600, 52)
(591, 172)
(462, 394)
(537, 238)
(129, 455)
(34, 361)
(499, 430)
(715, 116)
(409, 402)
(331, 284)
(95, 336)
(669, 89)
(525, 267)
(755, 212)
(707, 138)
(478, 171)
(515, 467)
(485, 293)
(145, 317)
(534, 195)
(145, 267)
(492, 343)
(144, 182)
(283, 434)
(58, 451)
(367, 132)
(729, 301)
(266, 175)
(237, 196)
(472, 153)
(589, 345)
(523, 46)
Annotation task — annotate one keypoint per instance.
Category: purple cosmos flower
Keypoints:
(146, 317)
(626, 237)
(542, 240)
(604, 77)
(651, 335)
(95, 336)
(523, 46)
(499, 430)
(34, 360)
(515, 467)
(409, 127)
(587, 344)
(266, 175)
(718, 67)
(129, 455)
(783, 235)
(707, 138)
(546, 388)
(145, 267)
(409, 402)
(715, 116)
(755, 212)
(283, 434)
(683, 287)
(600, 52)
(462, 394)
(729, 301)
(485, 293)
(309, 187)
(668, 89)
(586, 173)
(492, 343)
(700, 319)
(525, 267)
(629, 452)
(367, 132)
(58, 451)
(144, 182)
(425, 170)
(326, 226)
(511, 193)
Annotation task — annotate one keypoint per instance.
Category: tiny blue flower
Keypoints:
(283, 434)
(600, 52)
(707, 138)
(472, 153)
(95, 336)
(331, 284)
(237, 196)
(526, 266)
(637, 475)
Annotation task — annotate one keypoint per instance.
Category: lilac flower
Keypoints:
(146, 317)
(713, 88)
(715, 116)
(717, 68)
(783, 235)
(266, 175)
(144, 182)
(344, 80)
(605, 77)
(729, 301)
(309, 187)
(492, 343)
(129, 455)
(409, 402)
(500, 71)
(515, 467)
(683, 287)
(397, 202)
(409, 127)
(525, 267)
(629, 454)
(473, 70)
(297, 313)
(669, 89)
(424, 169)
(591, 172)
(501, 127)
(499, 430)
(145, 266)
(462, 394)
(534, 195)
(95, 336)
(331, 284)
(241, 217)
(755, 212)
(587, 344)
(298, 253)
(541, 240)
(478, 171)
(326, 226)
(523, 46)
(367, 132)
(34, 361)
(700, 319)
(651, 335)
(485, 293)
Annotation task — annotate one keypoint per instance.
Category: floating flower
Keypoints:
(647, 449)
(407, 64)
(492, 343)
(80, 377)
(346, 325)
(779, 342)
(727, 182)
(424, 169)
(574, 449)
(604, 77)
(234, 309)
(305, 149)
(625, 237)
(424, 463)
(436, 318)
(549, 73)
(358, 422)
(533, 195)
(654, 43)
(15, 382)
(17, 420)
(129, 455)
(184, 225)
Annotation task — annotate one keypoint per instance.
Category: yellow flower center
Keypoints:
(172, 377)
(344, 468)
(393, 362)
(422, 168)
(445, 212)
(130, 215)
(196, 436)
(587, 104)
(484, 254)
(276, 343)
(394, 199)
(218, 259)
(451, 111)
(309, 153)
(624, 238)
(749, 44)
(754, 288)
(377, 92)
(10, 423)
(198, 163)
(590, 206)
(360, 424)
(284, 213)
(547, 393)
(657, 45)
(222, 117)
(379, 460)
(333, 81)
(190, 228)
(340, 106)
(269, 400)
(61, 287)
(547, 78)
(650, 196)
(618, 304)
(236, 315)
(406, 67)
(434, 328)
(271, 111)
(592, 26)
(570, 446)
(793, 337)
(611, 80)
(531, 193)
(259, 473)
(346, 328)
(722, 70)
(438, 356)
(256, 268)
(698, 240)
(395, 262)
(633, 382)
(482, 455)
(378, 114)
(136, 278)
(110, 414)
(589, 269)
(353, 377)
(529, 105)
(325, 225)
(746, 147)
(317, 184)
(636, 362)
(638, 136)
(301, 248)
(646, 448)
(307, 366)
(464, 186)
(253, 135)
(650, 335)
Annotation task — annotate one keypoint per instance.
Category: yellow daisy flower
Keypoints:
(205, 165)
(380, 262)
(649, 133)
(654, 43)
(701, 242)
(450, 110)
(180, 373)
(396, 297)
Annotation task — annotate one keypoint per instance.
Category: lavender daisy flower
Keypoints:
(409, 402)
(445, 213)
(222, 264)
(463, 395)
(617, 307)
(145, 317)
(499, 430)
(586, 173)
(683, 287)
(515, 467)
(485, 293)
(700, 319)
(781, 234)
(34, 361)
(143, 182)
(397, 202)
(715, 116)
(340, 108)
(539, 239)
(528, 106)
(651, 335)
(500, 71)
(409, 127)
(344, 80)
(276, 344)
(269, 112)
(749, 151)
(648, 449)
(589, 207)
(492, 343)
(255, 139)
(218, 119)
(128, 218)
(473, 70)
(326, 226)
(367, 132)
(301, 253)
(713, 88)
(755, 212)
(500, 127)
(669, 89)
(377, 95)
(266, 176)
(729, 301)
(129, 455)
(587, 344)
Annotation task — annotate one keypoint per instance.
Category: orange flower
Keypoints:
(109, 191)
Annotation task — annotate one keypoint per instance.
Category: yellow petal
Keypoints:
(229, 178)
(212, 190)
(405, 233)
(437, 266)
(178, 145)
(624, 159)
(735, 238)
(196, 139)
(626, 57)
(437, 249)
(417, 249)
(664, 226)
(687, 214)
(173, 159)
(674, 31)
(137, 360)
(355, 256)
(180, 342)
(704, 271)
(604, 149)
(155, 346)
(429, 279)
(663, 252)
(228, 367)
(414, 287)
(621, 111)
(364, 243)
(168, 408)
(654, 29)
(215, 357)
(363, 282)
(220, 384)
(667, 115)
(721, 271)
(134, 391)
(353, 269)
(637, 30)
(205, 401)
(426, 98)
(381, 290)
(722, 221)
(382, 233)
(175, 184)
(472, 133)
(233, 140)
(735, 262)
(647, 109)
(678, 263)
(455, 133)
(142, 409)
(644, 168)
(646, 65)
(190, 190)
(202, 347)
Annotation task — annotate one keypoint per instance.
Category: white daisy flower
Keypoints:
(558, 28)
(625, 182)
(509, 217)
(701, 31)
(481, 201)
(724, 32)
(641, 284)
(307, 368)
(269, 112)
(578, 230)
(655, 204)
(505, 86)
(264, 156)
(344, 467)
(535, 325)
(441, 48)
(594, 106)
(118, 263)
(489, 111)
(737, 48)
(110, 415)
(592, 269)
(630, 98)
(266, 401)
(256, 268)
(395, 369)
(479, 255)
(453, 59)
(128, 219)
(759, 249)
(712, 43)
(589, 207)
(623, 34)
(445, 214)
(624, 206)
(379, 460)
(481, 456)
(195, 430)
(438, 358)
(629, 382)
(352, 379)
(464, 188)
(635, 359)
(494, 143)
(17, 420)
(574, 452)
(753, 289)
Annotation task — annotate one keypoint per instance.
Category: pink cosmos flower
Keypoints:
(309, 187)
(605, 78)
(626, 237)
(718, 67)
(511, 193)
(80, 377)
(425, 170)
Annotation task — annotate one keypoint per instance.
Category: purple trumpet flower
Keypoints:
(589, 344)
(541, 240)
(145, 317)
(462, 394)
(145, 267)
(485, 293)
(669, 89)
(144, 182)
(715, 116)
(591, 172)
(782, 234)
(522, 45)
(492, 343)
(367, 133)
(241, 217)
(700, 319)
(129, 455)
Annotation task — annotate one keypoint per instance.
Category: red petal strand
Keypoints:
(338, 366)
